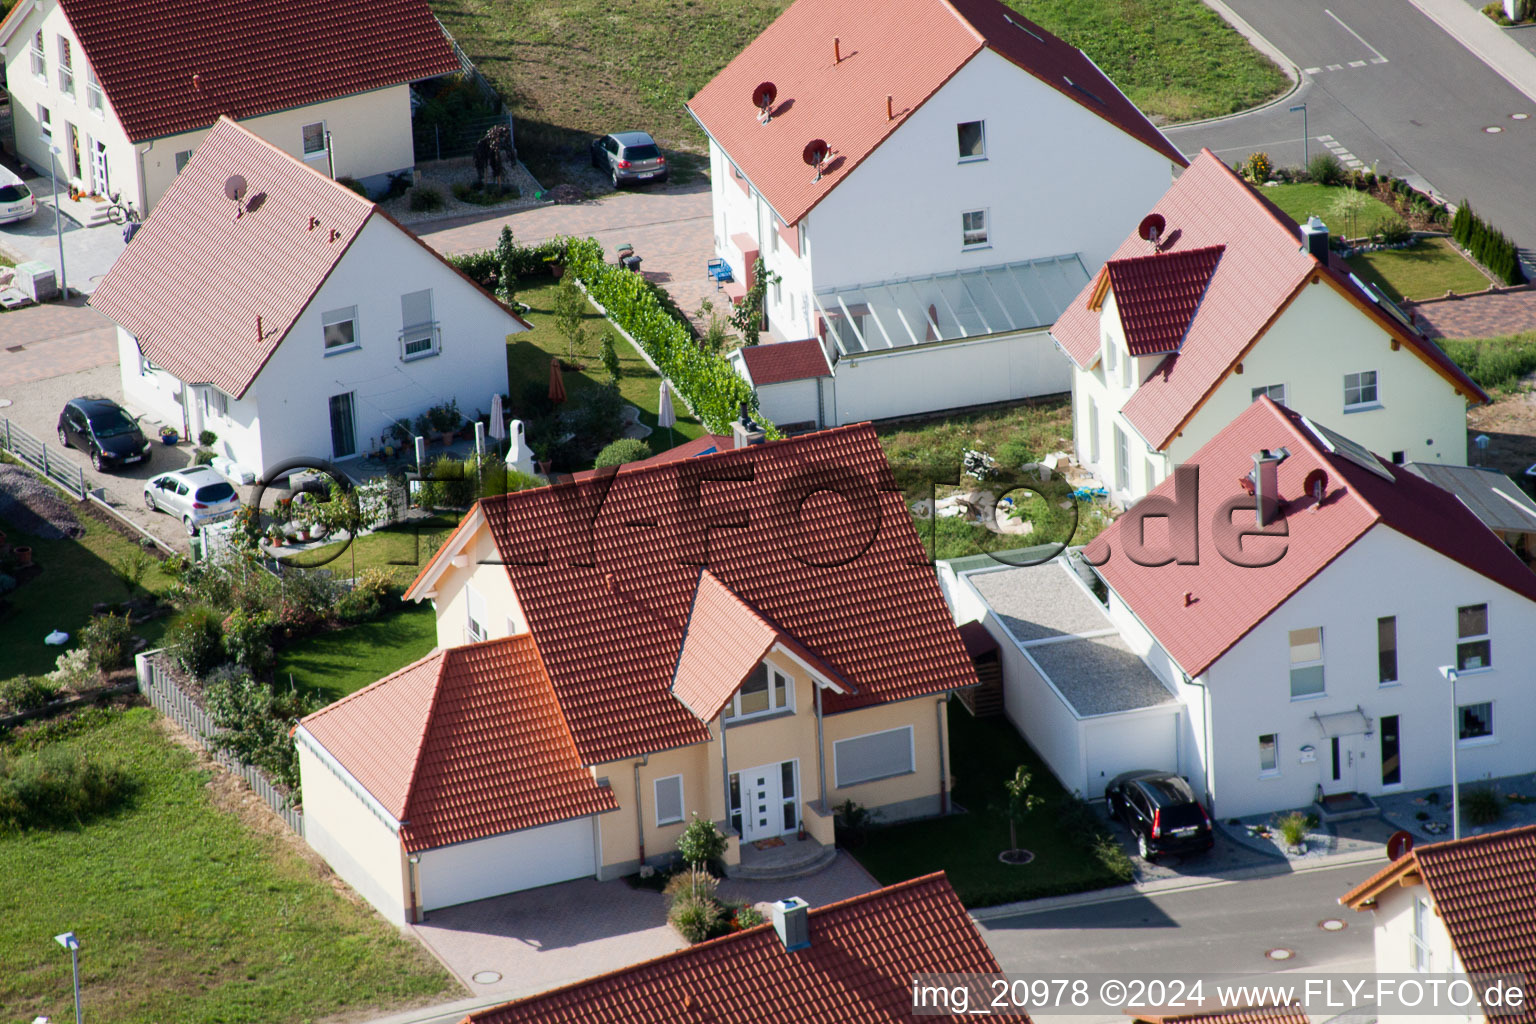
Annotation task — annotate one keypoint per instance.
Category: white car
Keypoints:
(196, 495)
(16, 200)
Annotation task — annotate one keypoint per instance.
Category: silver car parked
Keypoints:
(628, 157)
(196, 495)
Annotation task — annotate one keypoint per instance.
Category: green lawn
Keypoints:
(529, 354)
(186, 914)
(76, 575)
(1424, 271)
(402, 548)
(983, 754)
(583, 67)
(336, 663)
(1304, 200)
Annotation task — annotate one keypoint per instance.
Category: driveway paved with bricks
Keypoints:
(58, 337)
(536, 940)
(1478, 316)
(88, 252)
(671, 229)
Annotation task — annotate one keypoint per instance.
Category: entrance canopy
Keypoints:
(1343, 723)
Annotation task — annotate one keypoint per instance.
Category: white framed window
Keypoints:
(66, 67)
(1269, 754)
(778, 290)
(1474, 721)
(313, 137)
(1093, 431)
(1111, 357)
(669, 800)
(767, 691)
(1151, 475)
(1275, 392)
(1122, 459)
(182, 159)
(973, 140)
(39, 58)
(1474, 649)
(215, 403)
(93, 98)
(803, 237)
(875, 755)
(45, 123)
(419, 335)
(340, 330)
(1306, 662)
(973, 228)
(1419, 940)
(474, 614)
(1360, 389)
(1386, 650)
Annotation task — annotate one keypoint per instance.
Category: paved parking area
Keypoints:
(88, 252)
(1486, 315)
(59, 337)
(536, 940)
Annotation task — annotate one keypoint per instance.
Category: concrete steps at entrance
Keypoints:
(795, 859)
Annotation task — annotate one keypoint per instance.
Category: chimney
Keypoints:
(1314, 237)
(792, 921)
(197, 81)
(745, 432)
(837, 50)
(1266, 484)
(890, 111)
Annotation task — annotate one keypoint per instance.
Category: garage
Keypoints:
(1128, 741)
(510, 862)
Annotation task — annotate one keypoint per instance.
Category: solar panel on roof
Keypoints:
(1343, 447)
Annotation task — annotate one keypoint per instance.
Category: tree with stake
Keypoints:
(570, 312)
(700, 843)
(1019, 803)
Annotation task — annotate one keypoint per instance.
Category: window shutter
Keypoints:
(416, 308)
(873, 756)
(669, 800)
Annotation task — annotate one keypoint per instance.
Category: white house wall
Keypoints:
(1127, 741)
(1382, 574)
(1056, 179)
(383, 263)
(795, 401)
(356, 843)
(510, 862)
(152, 392)
(491, 582)
(1393, 935)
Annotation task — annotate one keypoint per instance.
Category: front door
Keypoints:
(72, 150)
(761, 804)
(1391, 751)
(343, 427)
(100, 181)
(1341, 760)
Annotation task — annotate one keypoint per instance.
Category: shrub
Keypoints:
(196, 639)
(202, 456)
(57, 786)
(256, 722)
(609, 354)
(701, 842)
(347, 181)
(598, 416)
(1396, 231)
(696, 919)
(488, 196)
(1482, 805)
(1494, 363)
(131, 567)
(686, 883)
(74, 670)
(748, 917)
(206, 438)
(445, 485)
(1490, 247)
(1257, 168)
(27, 693)
(1292, 828)
(625, 449)
(1325, 169)
(425, 198)
(108, 639)
(248, 638)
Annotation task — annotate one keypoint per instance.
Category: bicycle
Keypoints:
(122, 213)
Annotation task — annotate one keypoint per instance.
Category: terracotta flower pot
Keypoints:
(23, 554)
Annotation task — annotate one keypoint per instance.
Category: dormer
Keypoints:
(1146, 305)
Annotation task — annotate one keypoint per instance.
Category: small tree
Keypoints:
(700, 843)
(570, 315)
(506, 266)
(610, 357)
(1019, 802)
(748, 317)
(131, 568)
(1348, 207)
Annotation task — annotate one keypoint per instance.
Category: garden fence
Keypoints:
(172, 701)
(439, 141)
(34, 453)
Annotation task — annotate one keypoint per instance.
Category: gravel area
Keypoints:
(442, 175)
(1040, 601)
(34, 507)
(1101, 676)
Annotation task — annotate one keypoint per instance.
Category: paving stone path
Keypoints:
(1478, 316)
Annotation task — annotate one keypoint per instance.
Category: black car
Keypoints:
(102, 429)
(1161, 811)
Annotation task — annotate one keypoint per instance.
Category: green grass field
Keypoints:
(583, 67)
(1306, 199)
(186, 914)
(1425, 271)
(337, 663)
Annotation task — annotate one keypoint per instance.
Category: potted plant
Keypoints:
(169, 435)
(446, 419)
(556, 265)
(541, 456)
(275, 535)
(423, 425)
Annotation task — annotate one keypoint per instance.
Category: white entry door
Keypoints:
(761, 803)
(99, 177)
(1341, 761)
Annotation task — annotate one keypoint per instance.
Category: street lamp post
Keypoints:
(69, 942)
(1302, 108)
(58, 221)
(1449, 672)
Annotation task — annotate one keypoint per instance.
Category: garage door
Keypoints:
(1120, 744)
(507, 863)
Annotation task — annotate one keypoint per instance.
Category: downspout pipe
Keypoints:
(412, 881)
(725, 774)
(943, 761)
(639, 812)
(1205, 754)
(821, 754)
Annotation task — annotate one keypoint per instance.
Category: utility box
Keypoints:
(37, 280)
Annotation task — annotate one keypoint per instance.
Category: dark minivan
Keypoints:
(1161, 811)
(103, 430)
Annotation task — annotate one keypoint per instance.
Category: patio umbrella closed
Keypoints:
(665, 417)
(556, 382)
(498, 420)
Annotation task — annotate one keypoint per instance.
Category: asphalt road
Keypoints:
(1226, 928)
(1388, 87)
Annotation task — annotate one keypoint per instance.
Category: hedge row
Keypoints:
(1490, 247)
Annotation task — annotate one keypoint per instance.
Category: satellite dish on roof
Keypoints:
(1151, 228)
(235, 188)
(762, 98)
(1399, 844)
(815, 154)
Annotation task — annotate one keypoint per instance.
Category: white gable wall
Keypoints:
(1382, 574)
(1394, 921)
(354, 840)
(383, 263)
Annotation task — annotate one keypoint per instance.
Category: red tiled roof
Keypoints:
(858, 969)
(1262, 268)
(724, 640)
(908, 52)
(1230, 600)
(609, 606)
(198, 280)
(249, 58)
(1484, 890)
(777, 362)
(466, 743)
(1239, 1015)
(1157, 295)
